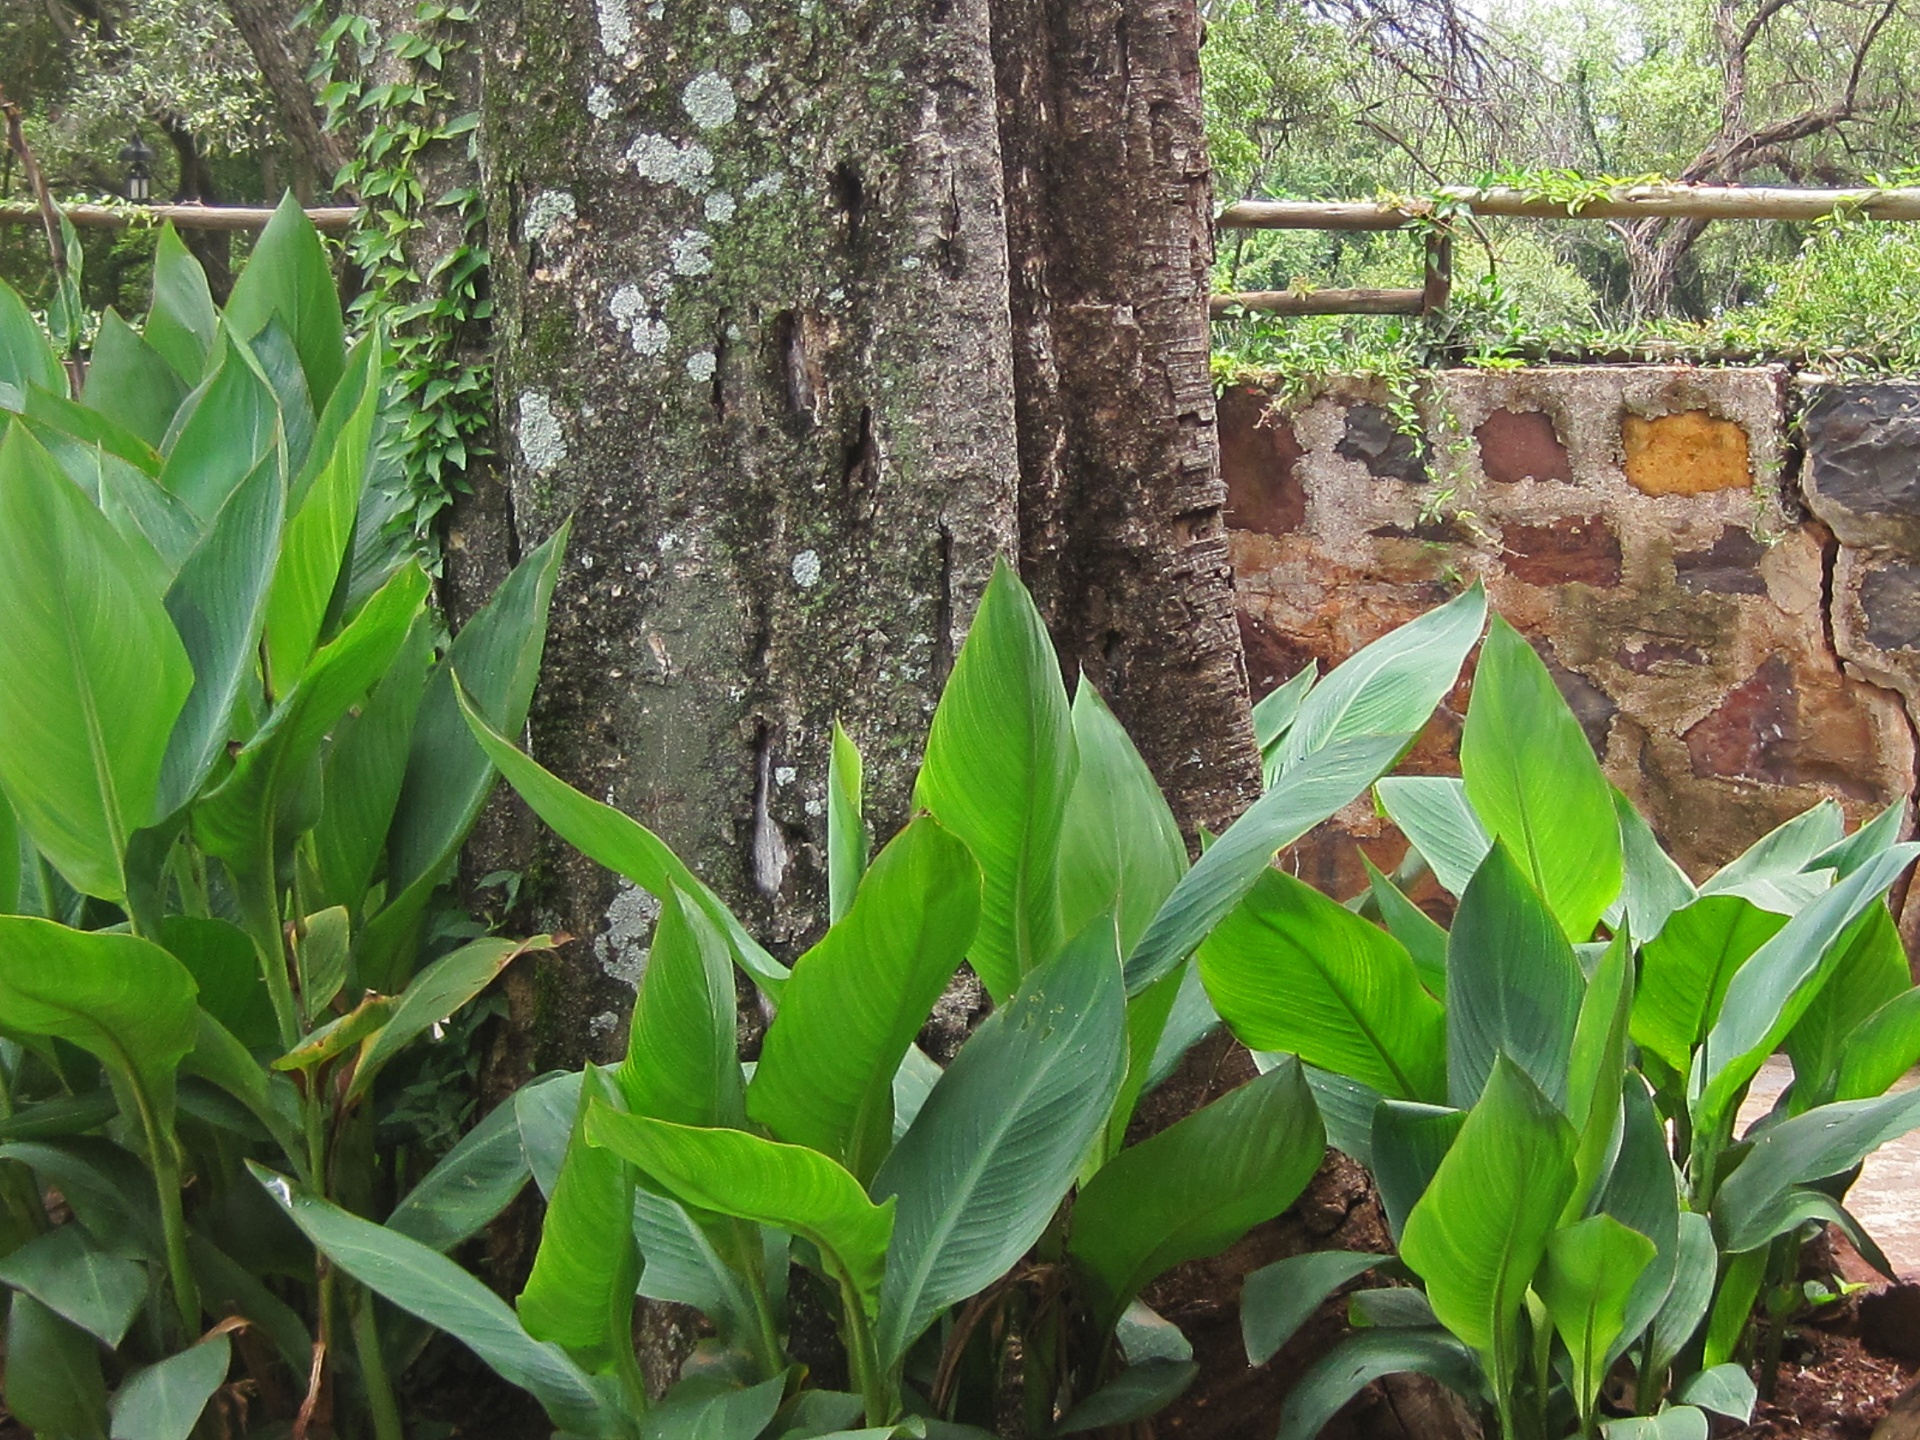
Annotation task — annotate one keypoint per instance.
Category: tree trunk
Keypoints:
(1123, 541)
(751, 279)
(754, 335)
(282, 55)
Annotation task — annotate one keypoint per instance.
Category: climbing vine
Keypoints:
(429, 300)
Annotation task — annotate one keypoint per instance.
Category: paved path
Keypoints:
(1886, 1197)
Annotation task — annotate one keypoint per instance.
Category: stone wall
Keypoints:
(1720, 567)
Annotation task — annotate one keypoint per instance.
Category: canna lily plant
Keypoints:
(1547, 1092)
(233, 776)
(952, 1221)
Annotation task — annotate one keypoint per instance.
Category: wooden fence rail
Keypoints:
(1630, 202)
(184, 217)
(1627, 202)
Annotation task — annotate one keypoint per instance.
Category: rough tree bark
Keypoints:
(1122, 535)
(755, 334)
(751, 281)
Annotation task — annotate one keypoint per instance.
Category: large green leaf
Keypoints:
(1135, 1393)
(1408, 1141)
(240, 818)
(472, 1184)
(110, 1192)
(497, 658)
(273, 355)
(1513, 985)
(1534, 781)
(322, 955)
(54, 1386)
(1725, 1389)
(146, 515)
(1000, 764)
(1274, 714)
(1388, 688)
(1586, 1281)
(620, 843)
(165, 1401)
(1360, 1360)
(1768, 994)
(95, 674)
(1685, 971)
(1643, 1192)
(26, 359)
(998, 1142)
(288, 275)
(684, 1265)
(226, 971)
(1848, 855)
(428, 1285)
(1597, 1072)
(1679, 1423)
(1291, 970)
(1825, 1141)
(580, 1294)
(1654, 886)
(229, 1288)
(1196, 1187)
(790, 1187)
(434, 995)
(849, 841)
(1277, 1299)
(1308, 793)
(728, 1414)
(1685, 1304)
(365, 766)
(1869, 971)
(10, 859)
(129, 382)
(857, 999)
(1774, 872)
(682, 1062)
(79, 1281)
(218, 606)
(182, 322)
(122, 999)
(1120, 847)
(1479, 1233)
(226, 427)
(1424, 937)
(1432, 811)
(315, 544)
(1883, 1048)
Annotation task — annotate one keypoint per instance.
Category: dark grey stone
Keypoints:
(1890, 596)
(1373, 440)
(1863, 462)
(1730, 566)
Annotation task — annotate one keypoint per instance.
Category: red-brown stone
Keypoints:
(1272, 658)
(1574, 549)
(1769, 730)
(1522, 445)
(1260, 461)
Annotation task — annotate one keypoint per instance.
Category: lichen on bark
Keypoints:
(770, 338)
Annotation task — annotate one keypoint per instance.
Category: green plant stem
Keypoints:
(173, 1228)
(626, 1364)
(373, 1369)
(260, 908)
(869, 1375)
(748, 1261)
